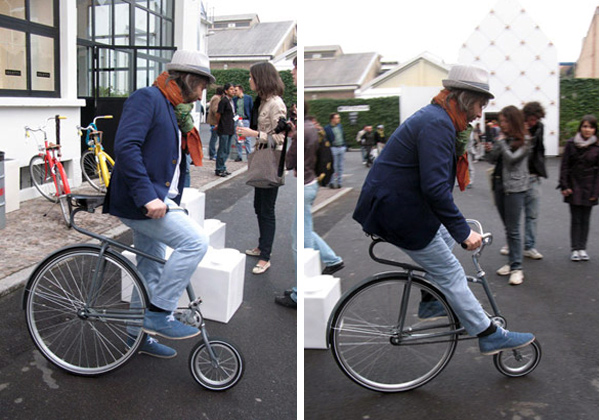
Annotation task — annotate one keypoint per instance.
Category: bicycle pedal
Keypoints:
(195, 303)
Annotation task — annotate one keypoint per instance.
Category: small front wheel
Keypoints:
(219, 374)
(519, 362)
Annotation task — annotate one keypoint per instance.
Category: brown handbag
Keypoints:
(265, 165)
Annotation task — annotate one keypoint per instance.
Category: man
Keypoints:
(243, 108)
(533, 112)
(212, 120)
(335, 135)
(368, 141)
(147, 180)
(225, 129)
(407, 200)
(359, 141)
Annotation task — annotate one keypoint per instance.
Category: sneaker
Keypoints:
(516, 277)
(503, 340)
(532, 253)
(239, 159)
(431, 310)
(504, 250)
(504, 270)
(330, 269)
(575, 256)
(583, 256)
(152, 347)
(165, 325)
(286, 301)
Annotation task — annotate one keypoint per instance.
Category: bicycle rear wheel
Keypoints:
(83, 324)
(369, 346)
(41, 178)
(90, 168)
(220, 374)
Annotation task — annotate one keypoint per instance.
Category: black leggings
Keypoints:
(580, 226)
(264, 207)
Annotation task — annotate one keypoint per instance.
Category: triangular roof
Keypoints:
(345, 70)
(262, 39)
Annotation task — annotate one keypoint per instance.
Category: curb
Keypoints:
(18, 279)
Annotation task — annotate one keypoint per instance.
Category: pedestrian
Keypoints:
(407, 200)
(380, 138)
(472, 146)
(368, 141)
(359, 141)
(243, 109)
(225, 129)
(578, 183)
(289, 298)
(335, 135)
(147, 180)
(510, 183)
(268, 110)
(331, 261)
(212, 120)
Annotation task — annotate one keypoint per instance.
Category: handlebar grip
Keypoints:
(62, 117)
(464, 245)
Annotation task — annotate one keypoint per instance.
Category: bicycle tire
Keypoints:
(90, 168)
(226, 374)
(366, 342)
(519, 362)
(41, 178)
(78, 327)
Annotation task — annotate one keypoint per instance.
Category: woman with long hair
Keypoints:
(510, 183)
(578, 183)
(268, 109)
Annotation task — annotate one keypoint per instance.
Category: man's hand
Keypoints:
(156, 209)
(472, 242)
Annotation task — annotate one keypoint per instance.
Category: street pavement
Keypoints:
(149, 388)
(558, 301)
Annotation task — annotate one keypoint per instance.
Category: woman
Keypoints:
(268, 109)
(578, 183)
(510, 183)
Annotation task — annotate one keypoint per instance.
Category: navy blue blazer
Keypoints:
(330, 136)
(247, 106)
(408, 191)
(146, 153)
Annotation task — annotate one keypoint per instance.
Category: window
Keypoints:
(29, 48)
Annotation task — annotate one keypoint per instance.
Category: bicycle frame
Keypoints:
(93, 139)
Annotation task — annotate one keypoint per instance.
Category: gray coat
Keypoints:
(515, 169)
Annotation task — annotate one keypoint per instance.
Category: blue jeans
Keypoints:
(166, 283)
(223, 152)
(247, 142)
(532, 205)
(444, 270)
(510, 206)
(311, 239)
(212, 144)
(338, 164)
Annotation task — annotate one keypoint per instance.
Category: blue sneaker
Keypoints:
(165, 325)
(431, 310)
(152, 347)
(503, 340)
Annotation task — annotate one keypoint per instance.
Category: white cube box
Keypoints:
(320, 293)
(218, 280)
(215, 229)
(312, 263)
(194, 202)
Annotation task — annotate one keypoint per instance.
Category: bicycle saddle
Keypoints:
(53, 146)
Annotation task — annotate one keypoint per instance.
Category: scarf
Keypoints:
(580, 142)
(190, 138)
(463, 132)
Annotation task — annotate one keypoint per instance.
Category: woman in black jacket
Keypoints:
(578, 183)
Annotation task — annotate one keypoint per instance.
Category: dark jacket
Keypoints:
(407, 194)
(537, 152)
(311, 144)
(331, 137)
(146, 153)
(579, 172)
(226, 124)
(247, 106)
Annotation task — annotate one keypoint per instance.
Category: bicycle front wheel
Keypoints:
(390, 335)
(85, 313)
(217, 374)
(41, 178)
(90, 169)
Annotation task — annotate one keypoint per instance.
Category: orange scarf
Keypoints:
(190, 140)
(459, 120)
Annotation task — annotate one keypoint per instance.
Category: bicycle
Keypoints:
(382, 338)
(96, 164)
(85, 304)
(46, 169)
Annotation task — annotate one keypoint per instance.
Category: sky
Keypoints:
(400, 30)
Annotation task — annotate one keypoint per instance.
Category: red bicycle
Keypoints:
(47, 173)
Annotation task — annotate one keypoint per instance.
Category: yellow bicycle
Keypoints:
(96, 164)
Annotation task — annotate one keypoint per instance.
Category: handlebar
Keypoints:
(92, 126)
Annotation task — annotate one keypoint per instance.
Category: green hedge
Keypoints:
(242, 76)
(578, 97)
(384, 111)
